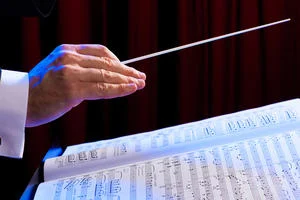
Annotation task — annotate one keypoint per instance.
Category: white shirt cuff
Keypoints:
(14, 88)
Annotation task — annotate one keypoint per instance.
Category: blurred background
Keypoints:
(225, 76)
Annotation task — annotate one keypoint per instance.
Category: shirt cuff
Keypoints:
(14, 88)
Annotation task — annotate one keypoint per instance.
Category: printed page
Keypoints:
(218, 130)
(230, 124)
(263, 168)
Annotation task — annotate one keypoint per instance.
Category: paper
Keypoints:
(224, 129)
(263, 168)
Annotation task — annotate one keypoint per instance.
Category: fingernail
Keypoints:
(141, 83)
(132, 86)
(142, 75)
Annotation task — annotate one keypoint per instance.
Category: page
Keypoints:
(233, 123)
(262, 168)
(218, 130)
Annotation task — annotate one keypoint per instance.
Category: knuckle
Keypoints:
(65, 57)
(103, 49)
(108, 62)
(101, 88)
(64, 72)
(63, 76)
(101, 74)
(122, 88)
(63, 47)
(106, 52)
(128, 71)
(106, 75)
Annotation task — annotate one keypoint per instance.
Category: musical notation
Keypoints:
(263, 168)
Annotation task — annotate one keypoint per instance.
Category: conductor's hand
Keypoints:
(74, 73)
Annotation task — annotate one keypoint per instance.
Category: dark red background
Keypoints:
(233, 74)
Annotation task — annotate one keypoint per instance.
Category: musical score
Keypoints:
(264, 168)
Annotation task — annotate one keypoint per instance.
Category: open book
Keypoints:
(251, 154)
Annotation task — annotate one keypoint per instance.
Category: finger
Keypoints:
(95, 50)
(109, 65)
(94, 91)
(104, 76)
(67, 57)
(87, 49)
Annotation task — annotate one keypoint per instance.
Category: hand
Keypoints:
(74, 73)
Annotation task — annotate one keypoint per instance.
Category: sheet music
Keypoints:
(263, 168)
(186, 137)
(243, 121)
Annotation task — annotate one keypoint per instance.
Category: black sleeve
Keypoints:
(26, 7)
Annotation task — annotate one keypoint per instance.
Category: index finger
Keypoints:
(108, 64)
(95, 50)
